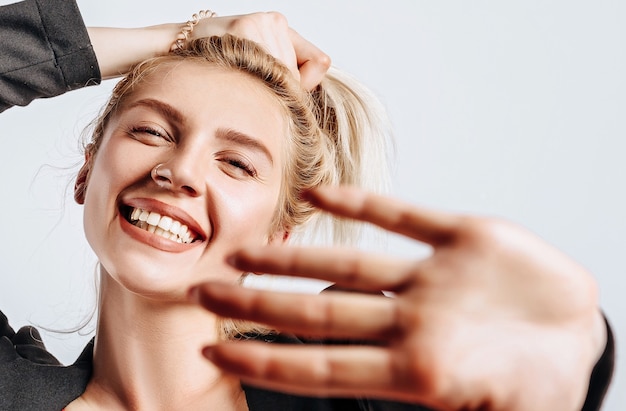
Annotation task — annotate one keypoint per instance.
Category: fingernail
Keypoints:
(305, 195)
(208, 353)
(193, 295)
(231, 260)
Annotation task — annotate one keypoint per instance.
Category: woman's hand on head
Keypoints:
(493, 319)
(118, 49)
(270, 29)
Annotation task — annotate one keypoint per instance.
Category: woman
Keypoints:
(146, 350)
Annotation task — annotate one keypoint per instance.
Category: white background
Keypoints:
(515, 109)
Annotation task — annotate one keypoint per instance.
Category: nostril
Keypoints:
(163, 182)
(190, 190)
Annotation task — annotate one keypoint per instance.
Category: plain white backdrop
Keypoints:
(515, 109)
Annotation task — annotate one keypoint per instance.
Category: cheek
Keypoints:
(113, 169)
(96, 202)
(251, 215)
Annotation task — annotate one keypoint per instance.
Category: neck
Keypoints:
(147, 355)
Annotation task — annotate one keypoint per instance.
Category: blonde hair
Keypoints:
(338, 134)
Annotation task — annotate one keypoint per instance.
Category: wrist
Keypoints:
(185, 32)
(162, 37)
(118, 49)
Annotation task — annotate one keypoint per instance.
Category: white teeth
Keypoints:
(175, 228)
(135, 214)
(153, 218)
(165, 223)
(143, 216)
(163, 226)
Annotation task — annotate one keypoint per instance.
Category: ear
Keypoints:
(80, 187)
(280, 237)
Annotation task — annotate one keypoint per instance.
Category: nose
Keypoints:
(178, 175)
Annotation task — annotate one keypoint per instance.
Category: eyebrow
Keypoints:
(163, 108)
(242, 139)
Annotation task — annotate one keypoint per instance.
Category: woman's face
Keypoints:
(218, 135)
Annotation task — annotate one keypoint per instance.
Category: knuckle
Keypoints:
(292, 261)
(486, 230)
(245, 25)
(351, 269)
(277, 19)
(427, 374)
(402, 218)
(316, 312)
(323, 60)
(273, 370)
(255, 305)
(323, 371)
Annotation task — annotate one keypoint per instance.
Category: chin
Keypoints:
(157, 280)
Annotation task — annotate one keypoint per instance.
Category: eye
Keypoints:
(154, 136)
(238, 167)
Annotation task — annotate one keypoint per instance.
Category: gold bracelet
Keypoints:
(183, 36)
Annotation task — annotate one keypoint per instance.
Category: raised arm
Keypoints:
(47, 50)
(271, 30)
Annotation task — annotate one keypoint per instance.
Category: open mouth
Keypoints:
(161, 225)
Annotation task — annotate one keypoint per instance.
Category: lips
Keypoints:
(165, 221)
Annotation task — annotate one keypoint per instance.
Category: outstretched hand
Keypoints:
(271, 30)
(493, 319)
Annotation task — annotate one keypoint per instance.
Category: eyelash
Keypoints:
(152, 131)
(242, 165)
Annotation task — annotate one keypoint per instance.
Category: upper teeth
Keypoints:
(161, 225)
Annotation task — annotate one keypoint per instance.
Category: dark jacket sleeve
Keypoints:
(44, 51)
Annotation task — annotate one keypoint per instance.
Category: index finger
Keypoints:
(425, 225)
(313, 63)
